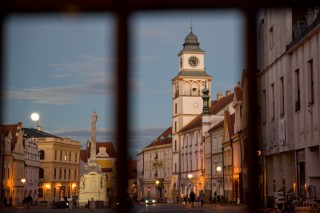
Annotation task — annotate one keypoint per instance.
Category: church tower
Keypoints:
(187, 94)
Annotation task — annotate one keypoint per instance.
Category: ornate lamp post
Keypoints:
(158, 188)
(218, 171)
(190, 176)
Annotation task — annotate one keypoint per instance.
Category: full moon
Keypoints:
(35, 116)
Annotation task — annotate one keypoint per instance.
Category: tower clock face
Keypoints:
(193, 61)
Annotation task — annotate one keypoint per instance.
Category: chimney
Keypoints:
(219, 96)
(228, 92)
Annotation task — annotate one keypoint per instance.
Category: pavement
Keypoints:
(208, 207)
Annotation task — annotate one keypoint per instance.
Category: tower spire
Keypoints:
(191, 26)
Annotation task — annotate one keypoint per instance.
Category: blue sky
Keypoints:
(62, 67)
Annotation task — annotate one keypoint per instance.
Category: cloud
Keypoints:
(138, 138)
(85, 67)
(88, 77)
(60, 95)
(49, 95)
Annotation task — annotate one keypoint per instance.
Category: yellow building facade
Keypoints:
(59, 166)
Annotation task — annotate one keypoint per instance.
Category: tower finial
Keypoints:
(191, 26)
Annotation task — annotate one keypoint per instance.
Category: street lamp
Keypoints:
(157, 183)
(218, 171)
(190, 176)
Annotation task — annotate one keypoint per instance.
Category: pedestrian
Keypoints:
(201, 198)
(5, 201)
(177, 199)
(10, 201)
(29, 201)
(192, 197)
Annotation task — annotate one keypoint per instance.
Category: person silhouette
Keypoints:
(192, 197)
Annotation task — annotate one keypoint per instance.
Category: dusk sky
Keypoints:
(62, 67)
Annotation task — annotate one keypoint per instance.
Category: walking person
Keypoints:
(201, 198)
(5, 201)
(10, 201)
(29, 201)
(192, 197)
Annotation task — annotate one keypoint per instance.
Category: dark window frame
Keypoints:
(122, 10)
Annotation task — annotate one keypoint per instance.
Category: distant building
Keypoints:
(198, 142)
(157, 168)
(32, 166)
(59, 165)
(13, 166)
(106, 159)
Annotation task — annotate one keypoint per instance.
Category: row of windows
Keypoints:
(64, 156)
(186, 166)
(297, 93)
(63, 173)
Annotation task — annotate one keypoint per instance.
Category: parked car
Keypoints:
(149, 200)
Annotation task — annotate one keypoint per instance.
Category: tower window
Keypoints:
(175, 108)
(175, 126)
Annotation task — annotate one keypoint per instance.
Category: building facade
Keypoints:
(13, 167)
(187, 104)
(59, 165)
(288, 89)
(32, 166)
(157, 169)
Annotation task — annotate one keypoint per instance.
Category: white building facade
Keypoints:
(31, 169)
(187, 104)
(157, 169)
(289, 100)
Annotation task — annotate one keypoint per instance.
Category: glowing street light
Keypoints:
(36, 117)
(218, 169)
(219, 181)
(23, 180)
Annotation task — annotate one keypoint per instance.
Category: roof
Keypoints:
(238, 93)
(164, 138)
(31, 132)
(83, 155)
(193, 73)
(230, 122)
(109, 149)
(215, 107)
(191, 43)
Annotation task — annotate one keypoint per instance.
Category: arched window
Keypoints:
(41, 173)
(41, 152)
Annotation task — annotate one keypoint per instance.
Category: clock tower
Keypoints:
(187, 94)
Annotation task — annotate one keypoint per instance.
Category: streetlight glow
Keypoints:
(190, 176)
(218, 169)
